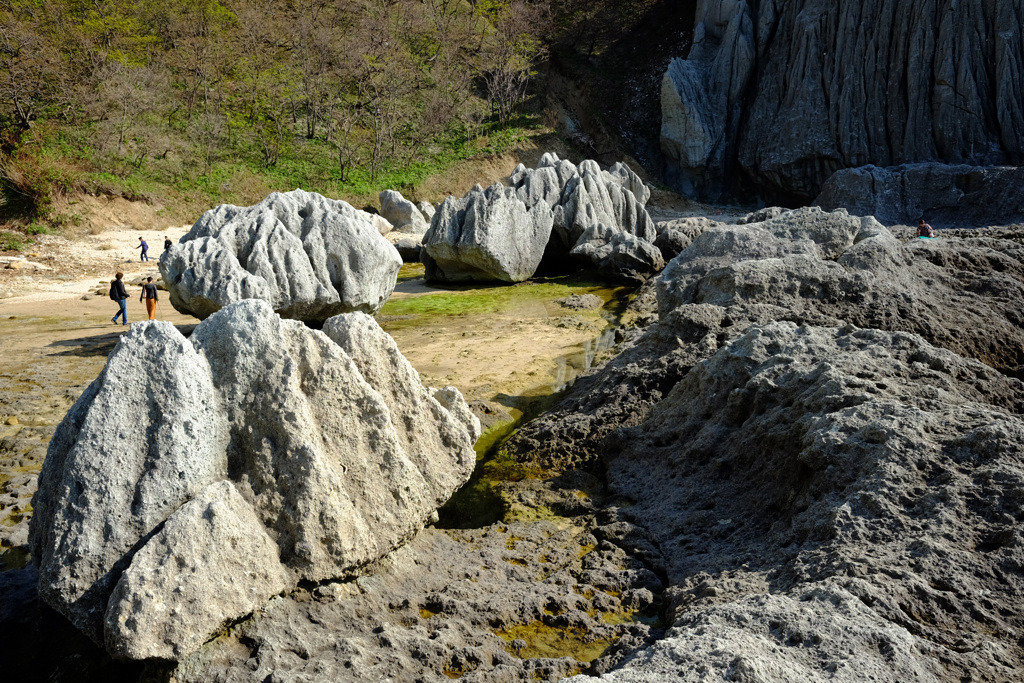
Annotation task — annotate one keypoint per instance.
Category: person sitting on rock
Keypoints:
(925, 230)
(167, 243)
(149, 294)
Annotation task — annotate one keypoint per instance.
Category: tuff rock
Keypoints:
(946, 195)
(818, 491)
(309, 454)
(558, 213)
(585, 197)
(402, 213)
(807, 266)
(783, 94)
(487, 235)
(309, 257)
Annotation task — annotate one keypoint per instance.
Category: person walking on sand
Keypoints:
(119, 294)
(149, 294)
(925, 230)
(145, 250)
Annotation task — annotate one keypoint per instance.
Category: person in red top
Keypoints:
(925, 230)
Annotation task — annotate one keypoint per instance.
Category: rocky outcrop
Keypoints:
(944, 195)
(585, 198)
(257, 443)
(402, 213)
(309, 257)
(457, 604)
(782, 95)
(559, 213)
(487, 235)
(809, 267)
(816, 491)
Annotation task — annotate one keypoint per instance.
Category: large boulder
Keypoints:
(782, 95)
(486, 235)
(590, 207)
(402, 213)
(309, 257)
(564, 215)
(619, 255)
(258, 443)
(817, 491)
(946, 195)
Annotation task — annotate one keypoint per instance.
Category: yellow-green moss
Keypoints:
(552, 642)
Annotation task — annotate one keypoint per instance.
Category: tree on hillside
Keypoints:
(511, 54)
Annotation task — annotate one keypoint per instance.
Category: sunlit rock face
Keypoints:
(309, 257)
(195, 478)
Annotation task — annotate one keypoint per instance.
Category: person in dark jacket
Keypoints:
(145, 250)
(167, 243)
(149, 294)
(119, 294)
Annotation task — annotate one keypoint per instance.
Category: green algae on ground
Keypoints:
(553, 642)
(488, 299)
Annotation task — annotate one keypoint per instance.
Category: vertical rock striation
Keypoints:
(789, 92)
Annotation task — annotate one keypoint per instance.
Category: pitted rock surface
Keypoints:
(807, 266)
(165, 604)
(449, 604)
(816, 491)
(336, 470)
(309, 257)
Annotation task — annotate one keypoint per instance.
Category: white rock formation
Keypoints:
(308, 256)
(382, 224)
(335, 454)
(590, 206)
(487, 235)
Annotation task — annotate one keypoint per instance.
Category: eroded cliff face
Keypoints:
(776, 96)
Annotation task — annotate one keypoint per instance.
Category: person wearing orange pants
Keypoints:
(150, 296)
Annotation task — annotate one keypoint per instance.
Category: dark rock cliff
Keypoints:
(776, 96)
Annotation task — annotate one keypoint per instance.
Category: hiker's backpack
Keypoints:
(113, 295)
